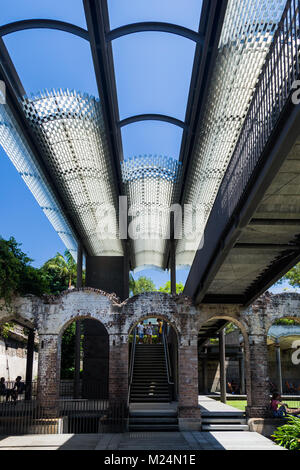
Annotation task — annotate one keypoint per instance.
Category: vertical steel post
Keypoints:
(242, 371)
(222, 365)
(78, 327)
(172, 255)
(279, 369)
(29, 364)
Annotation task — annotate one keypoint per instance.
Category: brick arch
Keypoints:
(240, 324)
(78, 304)
(151, 305)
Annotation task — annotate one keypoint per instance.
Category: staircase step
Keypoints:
(153, 420)
(225, 427)
(224, 421)
(153, 427)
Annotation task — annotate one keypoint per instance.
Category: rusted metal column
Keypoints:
(29, 364)
(78, 327)
(222, 365)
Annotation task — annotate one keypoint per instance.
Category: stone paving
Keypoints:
(209, 406)
(148, 441)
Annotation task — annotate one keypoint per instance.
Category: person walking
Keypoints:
(141, 331)
(159, 330)
(149, 332)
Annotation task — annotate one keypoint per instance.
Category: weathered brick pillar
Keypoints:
(260, 394)
(189, 414)
(49, 374)
(118, 368)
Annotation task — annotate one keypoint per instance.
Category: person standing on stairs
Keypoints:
(149, 332)
(141, 330)
(159, 330)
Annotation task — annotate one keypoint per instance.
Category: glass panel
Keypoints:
(52, 59)
(70, 11)
(153, 73)
(185, 13)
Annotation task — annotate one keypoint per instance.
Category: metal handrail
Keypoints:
(132, 356)
(167, 358)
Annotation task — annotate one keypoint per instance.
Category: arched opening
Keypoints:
(283, 342)
(153, 364)
(94, 360)
(18, 361)
(223, 362)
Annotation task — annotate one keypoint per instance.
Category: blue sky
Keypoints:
(152, 75)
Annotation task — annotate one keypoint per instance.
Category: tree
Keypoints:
(167, 288)
(293, 276)
(60, 271)
(17, 276)
(143, 284)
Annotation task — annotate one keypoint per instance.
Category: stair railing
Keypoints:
(168, 363)
(132, 356)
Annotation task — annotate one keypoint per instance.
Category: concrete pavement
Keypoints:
(172, 441)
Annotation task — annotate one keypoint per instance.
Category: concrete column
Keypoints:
(278, 364)
(242, 372)
(189, 414)
(259, 393)
(222, 365)
(118, 368)
(29, 364)
(49, 374)
(78, 327)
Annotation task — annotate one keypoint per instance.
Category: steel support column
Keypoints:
(172, 255)
(278, 364)
(29, 364)
(222, 365)
(78, 327)
(242, 372)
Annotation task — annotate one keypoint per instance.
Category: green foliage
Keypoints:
(17, 276)
(167, 288)
(5, 329)
(288, 435)
(143, 284)
(287, 321)
(68, 352)
(60, 272)
(293, 276)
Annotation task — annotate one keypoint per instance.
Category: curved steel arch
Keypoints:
(44, 24)
(152, 117)
(154, 26)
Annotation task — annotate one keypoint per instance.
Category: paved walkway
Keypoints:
(172, 441)
(211, 406)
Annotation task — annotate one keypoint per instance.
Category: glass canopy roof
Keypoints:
(153, 75)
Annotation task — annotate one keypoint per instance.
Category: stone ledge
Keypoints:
(265, 426)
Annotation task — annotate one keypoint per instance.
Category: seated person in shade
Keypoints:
(3, 389)
(18, 388)
(283, 409)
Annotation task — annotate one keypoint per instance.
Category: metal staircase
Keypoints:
(151, 388)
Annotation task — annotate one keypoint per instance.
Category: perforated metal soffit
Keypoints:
(246, 35)
(70, 130)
